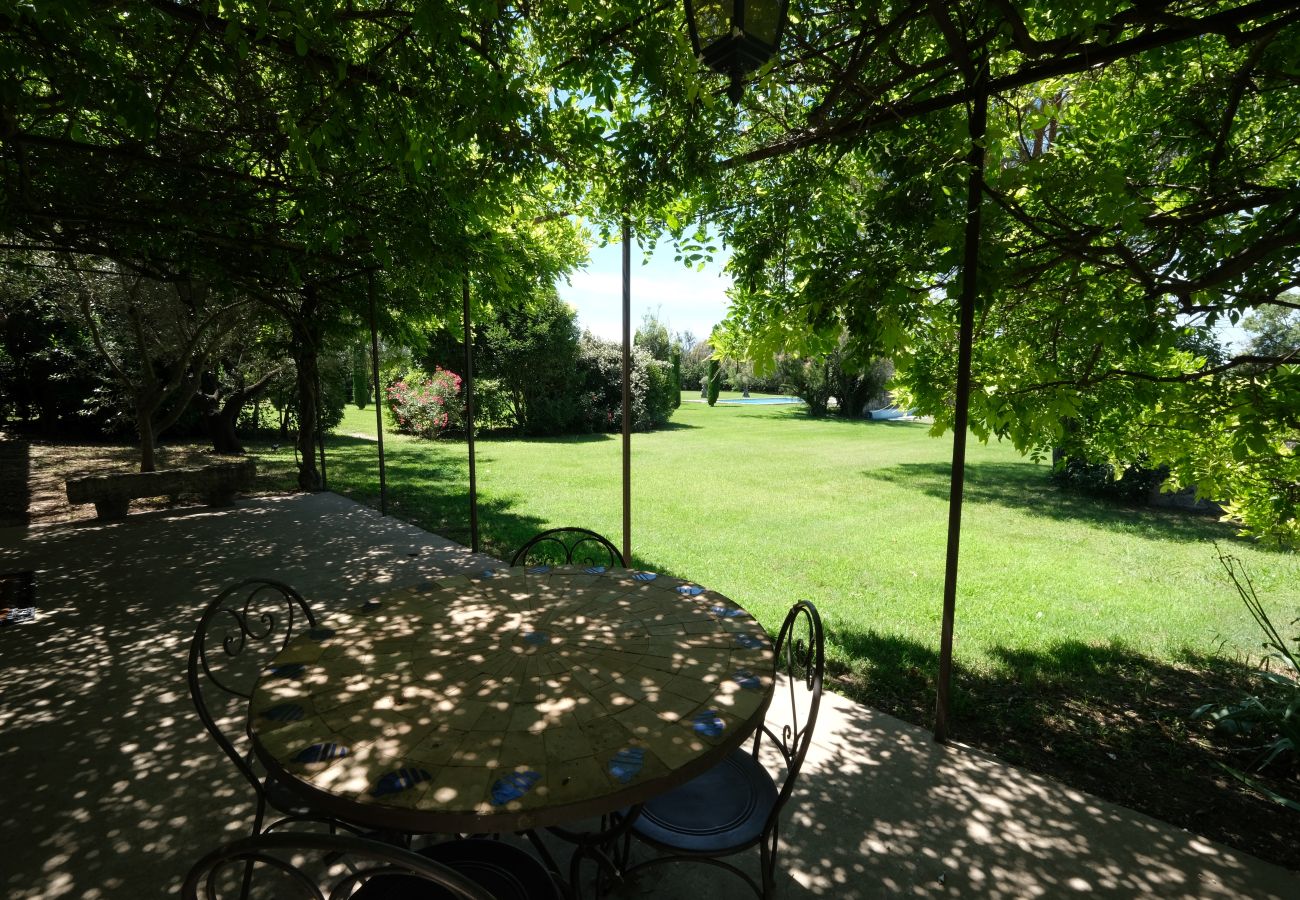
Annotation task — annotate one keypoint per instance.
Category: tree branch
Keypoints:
(1269, 362)
(1078, 59)
(98, 340)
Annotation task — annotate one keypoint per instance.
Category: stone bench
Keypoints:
(112, 494)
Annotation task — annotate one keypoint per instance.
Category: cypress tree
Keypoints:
(677, 376)
(360, 377)
(714, 382)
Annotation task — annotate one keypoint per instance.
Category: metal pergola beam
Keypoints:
(977, 119)
(469, 413)
(320, 431)
(379, 408)
(627, 391)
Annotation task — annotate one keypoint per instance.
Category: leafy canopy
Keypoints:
(1135, 196)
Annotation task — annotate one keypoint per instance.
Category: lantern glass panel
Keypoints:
(712, 20)
(762, 19)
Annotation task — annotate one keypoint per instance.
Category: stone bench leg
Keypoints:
(112, 508)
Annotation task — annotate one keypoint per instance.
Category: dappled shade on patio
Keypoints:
(111, 779)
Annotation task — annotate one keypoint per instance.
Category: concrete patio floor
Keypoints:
(111, 788)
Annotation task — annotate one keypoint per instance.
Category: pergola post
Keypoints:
(976, 122)
(379, 408)
(320, 431)
(627, 391)
(469, 413)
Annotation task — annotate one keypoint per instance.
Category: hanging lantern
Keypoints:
(735, 37)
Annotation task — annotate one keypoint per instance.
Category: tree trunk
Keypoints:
(1069, 427)
(517, 408)
(220, 431)
(221, 418)
(144, 425)
(307, 357)
(220, 426)
(852, 396)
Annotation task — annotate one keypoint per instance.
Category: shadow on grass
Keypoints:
(594, 437)
(801, 414)
(427, 485)
(1026, 489)
(672, 426)
(1083, 713)
(502, 437)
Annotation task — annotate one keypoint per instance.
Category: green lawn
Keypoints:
(769, 506)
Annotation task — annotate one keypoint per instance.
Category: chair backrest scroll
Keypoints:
(801, 659)
(237, 635)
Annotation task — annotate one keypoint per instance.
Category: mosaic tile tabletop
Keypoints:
(512, 698)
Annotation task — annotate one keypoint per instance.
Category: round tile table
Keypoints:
(511, 699)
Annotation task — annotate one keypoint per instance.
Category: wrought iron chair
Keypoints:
(370, 870)
(569, 546)
(258, 616)
(737, 804)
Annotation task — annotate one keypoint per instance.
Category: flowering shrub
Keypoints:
(426, 405)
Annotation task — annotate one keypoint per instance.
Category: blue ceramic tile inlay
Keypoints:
(626, 764)
(747, 679)
(284, 712)
(690, 590)
(748, 641)
(537, 637)
(646, 576)
(514, 786)
(539, 570)
(320, 634)
(726, 612)
(399, 780)
(318, 753)
(489, 573)
(424, 586)
(595, 570)
(709, 723)
(287, 670)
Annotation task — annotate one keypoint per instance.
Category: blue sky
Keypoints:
(684, 299)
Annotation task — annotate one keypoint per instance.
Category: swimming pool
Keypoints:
(760, 400)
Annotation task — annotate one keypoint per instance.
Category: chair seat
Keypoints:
(722, 811)
(503, 870)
